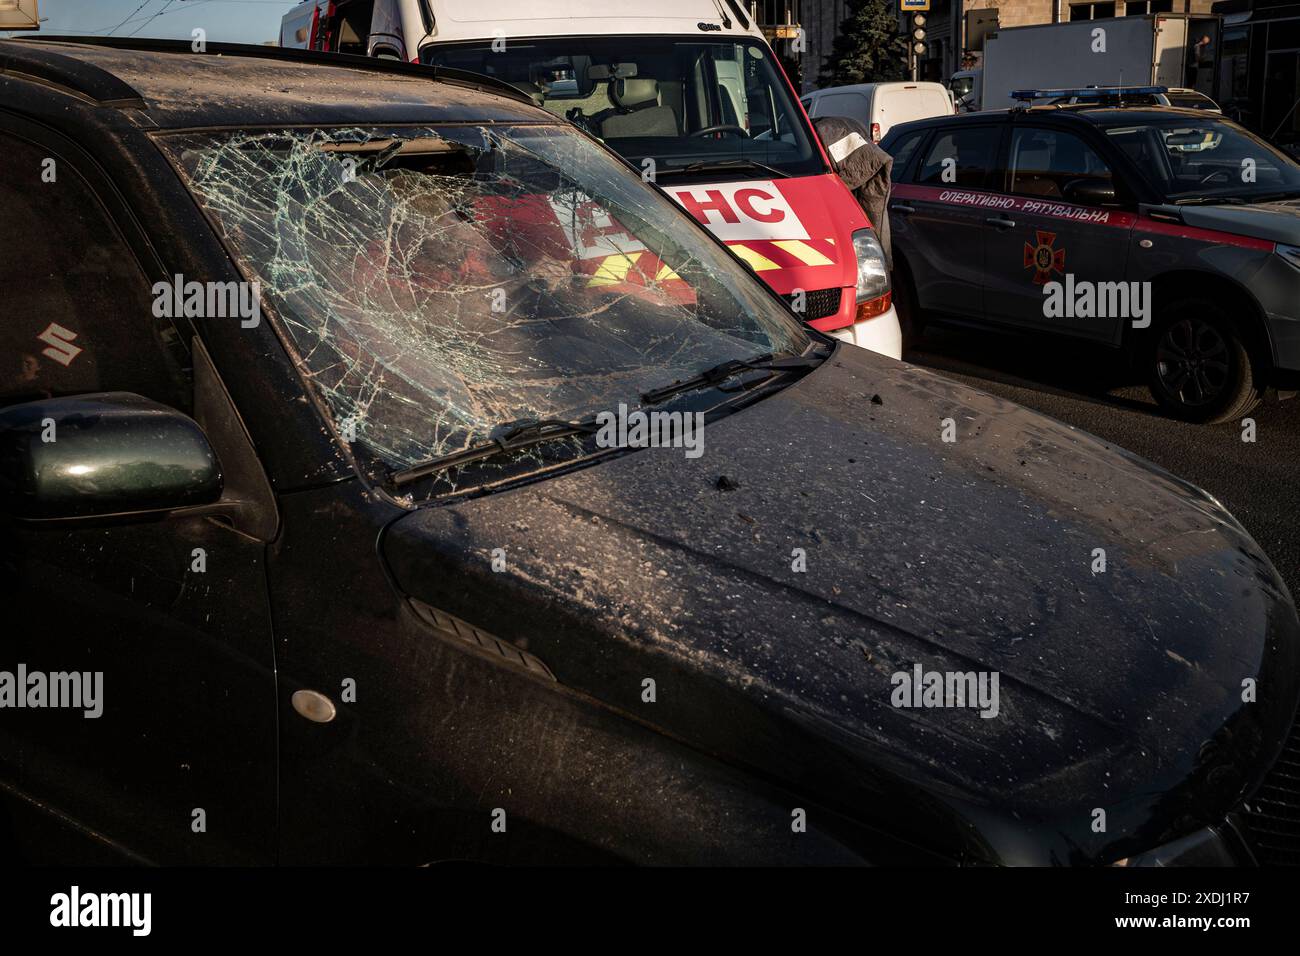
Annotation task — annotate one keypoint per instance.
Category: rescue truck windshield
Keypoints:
(437, 282)
(664, 103)
(1204, 159)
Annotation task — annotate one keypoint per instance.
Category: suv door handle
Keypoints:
(902, 207)
(1000, 222)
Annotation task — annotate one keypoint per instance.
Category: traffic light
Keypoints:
(918, 33)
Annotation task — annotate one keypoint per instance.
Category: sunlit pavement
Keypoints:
(1089, 387)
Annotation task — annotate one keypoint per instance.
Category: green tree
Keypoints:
(867, 48)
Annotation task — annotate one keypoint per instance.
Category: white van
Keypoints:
(878, 106)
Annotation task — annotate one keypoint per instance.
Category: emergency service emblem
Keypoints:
(1043, 257)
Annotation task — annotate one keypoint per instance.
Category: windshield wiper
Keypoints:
(725, 370)
(520, 433)
(525, 432)
(722, 165)
(1274, 197)
(1210, 201)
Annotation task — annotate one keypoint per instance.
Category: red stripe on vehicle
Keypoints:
(1184, 231)
(971, 199)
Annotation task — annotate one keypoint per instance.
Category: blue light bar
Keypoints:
(1087, 91)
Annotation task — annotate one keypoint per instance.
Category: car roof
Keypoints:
(234, 84)
(1092, 114)
(1111, 115)
(461, 20)
(867, 87)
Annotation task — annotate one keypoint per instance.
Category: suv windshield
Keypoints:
(1205, 157)
(672, 100)
(436, 283)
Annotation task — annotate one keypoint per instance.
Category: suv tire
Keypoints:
(1197, 365)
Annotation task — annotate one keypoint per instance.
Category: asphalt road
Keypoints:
(1089, 387)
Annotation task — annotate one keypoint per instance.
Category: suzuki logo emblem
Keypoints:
(60, 344)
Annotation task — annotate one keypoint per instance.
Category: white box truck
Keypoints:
(1154, 50)
(19, 15)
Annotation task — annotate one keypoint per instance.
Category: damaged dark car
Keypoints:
(307, 466)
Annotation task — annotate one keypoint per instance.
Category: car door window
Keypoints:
(960, 158)
(1192, 101)
(350, 30)
(903, 150)
(1043, 162)
(386, 20)
(77, 304)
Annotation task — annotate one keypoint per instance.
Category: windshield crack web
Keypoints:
(437, 284)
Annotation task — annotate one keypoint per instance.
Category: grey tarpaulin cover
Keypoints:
(863, 166)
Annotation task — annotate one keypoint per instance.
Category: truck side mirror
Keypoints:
(110, 453)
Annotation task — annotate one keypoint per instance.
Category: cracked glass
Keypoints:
(437, 284)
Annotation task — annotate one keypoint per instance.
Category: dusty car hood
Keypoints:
(1273, 221)
(1118, 690)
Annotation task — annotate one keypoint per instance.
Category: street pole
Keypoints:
(957, 31)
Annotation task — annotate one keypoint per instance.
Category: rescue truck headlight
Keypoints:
(1290, 253)
(873, 277)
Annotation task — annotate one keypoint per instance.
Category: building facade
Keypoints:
(948, 45)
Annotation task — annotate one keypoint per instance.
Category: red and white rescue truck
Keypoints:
(691, 94)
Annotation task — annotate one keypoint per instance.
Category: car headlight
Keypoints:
(873, 276)
(1290, 253)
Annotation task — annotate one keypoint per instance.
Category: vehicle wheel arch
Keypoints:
(1180, 284)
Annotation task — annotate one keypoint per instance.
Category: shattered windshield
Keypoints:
(436, 283)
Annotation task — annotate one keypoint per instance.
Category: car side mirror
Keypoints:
(110, 453)
(1091, 192)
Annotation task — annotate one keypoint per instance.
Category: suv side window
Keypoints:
(961, 157)
(78, 309)
(1043, 161)
(902, 151)
(350, 28)
(386, 30)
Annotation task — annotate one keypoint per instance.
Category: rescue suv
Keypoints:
(692, 96)
(1171, 235)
